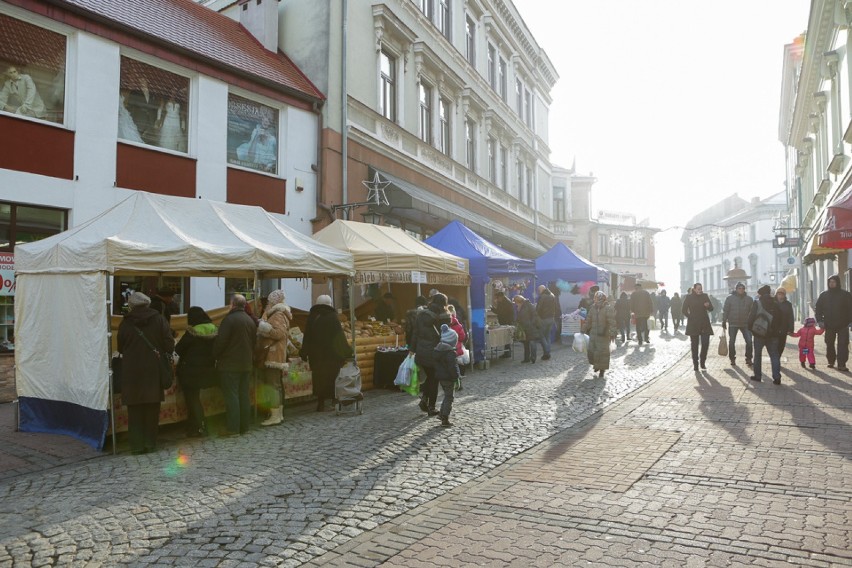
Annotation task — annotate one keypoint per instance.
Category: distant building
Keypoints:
(733, 234)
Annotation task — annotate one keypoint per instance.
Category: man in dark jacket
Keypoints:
(771, 338)
(546, 310)
(233, 350)
(420, 302)
(833, 311)
(164, 303)
(622, 316)
(642, 307)
(325, 348)
(663, 304)
(527, 320)
(505, 311)
(789, 321)
(141, 329)
(427, 337)
(735, 313)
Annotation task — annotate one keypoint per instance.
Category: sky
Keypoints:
(672, 105)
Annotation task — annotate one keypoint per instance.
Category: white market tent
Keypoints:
(62, 343)
(388, 254)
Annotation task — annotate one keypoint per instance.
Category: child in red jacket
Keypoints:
(806, 341)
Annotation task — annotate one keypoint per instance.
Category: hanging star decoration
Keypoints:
(376, 190)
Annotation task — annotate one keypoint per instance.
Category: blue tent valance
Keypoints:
(561, 263)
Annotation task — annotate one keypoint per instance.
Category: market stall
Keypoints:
(388, 256)
(572, 275)
(63, 345)
(487, 262)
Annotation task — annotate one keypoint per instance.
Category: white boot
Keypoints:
(275, 418)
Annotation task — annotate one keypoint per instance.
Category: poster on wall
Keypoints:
(252, 135)
(32, 71)
(7, 274)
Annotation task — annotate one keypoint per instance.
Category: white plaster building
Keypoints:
(734, 233)
(815, 126)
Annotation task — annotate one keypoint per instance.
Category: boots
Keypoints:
(445, 421)
(275, 418)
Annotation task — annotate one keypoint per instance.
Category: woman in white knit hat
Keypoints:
(273, 332)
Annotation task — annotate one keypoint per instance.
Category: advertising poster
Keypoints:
(252, 135)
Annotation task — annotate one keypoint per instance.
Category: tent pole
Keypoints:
(352, 315)
(256, 289)
(111, 401)
(469, 329)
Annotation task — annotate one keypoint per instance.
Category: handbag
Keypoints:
(464, 358)
(115, 365)
(520, 333)
(723, 345)
(167, 374)
(406, 370)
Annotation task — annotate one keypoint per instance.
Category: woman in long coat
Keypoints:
(325, 348)
(273, 332)
(196, 369)
(677, 311)
(601, 327)
(697, 307)
(426, 338)
(140, 377)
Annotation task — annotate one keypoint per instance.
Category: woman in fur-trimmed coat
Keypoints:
(601, 327)
(273, 331)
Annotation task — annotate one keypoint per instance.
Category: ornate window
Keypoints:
(387, 102)
(492, 66)
(492, 160)
(425, 113)
(504, 168)
(444, 110)
(470, 41)
(502, 79)
(444, 17)
(470, 143)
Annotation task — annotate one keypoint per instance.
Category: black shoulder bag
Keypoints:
(167, 377)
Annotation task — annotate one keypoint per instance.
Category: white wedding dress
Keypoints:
(126, 127)
(171, 135)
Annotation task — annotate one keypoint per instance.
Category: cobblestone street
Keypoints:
(689, 470)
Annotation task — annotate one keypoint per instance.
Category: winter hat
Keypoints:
(764, 290)
(138, 299)
(325, 300)
(810, 322)
(275, 297)
(439, 299)
(449, 336)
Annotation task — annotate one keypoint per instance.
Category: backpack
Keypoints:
(763, 321)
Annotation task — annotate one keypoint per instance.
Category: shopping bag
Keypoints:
(723, 345)
(403, 375)
(464, 358)
(413, 388)
(581, 342)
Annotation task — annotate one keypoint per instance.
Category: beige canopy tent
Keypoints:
(387, 254)
(62, 304)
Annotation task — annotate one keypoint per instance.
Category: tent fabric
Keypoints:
(561, 263)
(388, 254)
(61, 313)
(836, 231)
(150, 233)
(487, 261)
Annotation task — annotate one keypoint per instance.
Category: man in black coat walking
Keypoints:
(233, 350)
(834, 313)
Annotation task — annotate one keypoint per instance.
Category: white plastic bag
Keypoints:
(403, 375)
(581, 342)
(464, 358)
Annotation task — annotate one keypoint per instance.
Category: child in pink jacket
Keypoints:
(806, 341)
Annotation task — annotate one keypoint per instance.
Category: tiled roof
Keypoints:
(193, 27)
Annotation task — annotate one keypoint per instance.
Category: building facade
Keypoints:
(734, 234)
(815, 127)
(100, 99)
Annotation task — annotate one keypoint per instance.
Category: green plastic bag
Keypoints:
(414, 388)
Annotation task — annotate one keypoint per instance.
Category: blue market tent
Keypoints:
(561, 263)
(487, 261)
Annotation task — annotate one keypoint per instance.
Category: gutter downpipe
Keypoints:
(344, 115)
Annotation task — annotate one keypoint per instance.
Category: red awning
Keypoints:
(836, 232)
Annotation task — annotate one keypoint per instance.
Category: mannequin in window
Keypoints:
(142, 105)
(126, 126)
(171, 124)
(19, 94)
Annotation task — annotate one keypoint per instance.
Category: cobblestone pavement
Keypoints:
(684, 471)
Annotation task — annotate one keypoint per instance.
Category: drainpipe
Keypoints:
(344, 115)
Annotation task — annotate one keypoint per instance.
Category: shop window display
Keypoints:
(252, 135)
(153, 105)
(32, 71)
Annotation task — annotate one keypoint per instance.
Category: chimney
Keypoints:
(260, 18)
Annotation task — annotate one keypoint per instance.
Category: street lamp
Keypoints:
(780, 240)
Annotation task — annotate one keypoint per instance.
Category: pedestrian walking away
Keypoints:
(196, 368)
(766, 321)
(833, 312)
(735, 316)
(663, 305)
(806, 336)
(325, 348)
(601, 328)
(789, 318)
(642, 307)
(447, 370)
(140, 330)
(273, 335)
(622, 316)
(697, 307)
(233, 350)
(677, 311)
(546, 310)
(529, 322)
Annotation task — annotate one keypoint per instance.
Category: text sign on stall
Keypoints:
(7, 274)
(418, 277)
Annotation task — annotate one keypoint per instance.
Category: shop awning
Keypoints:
(813, 251)
(836, 231)
(403, 194)
(790, 283)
